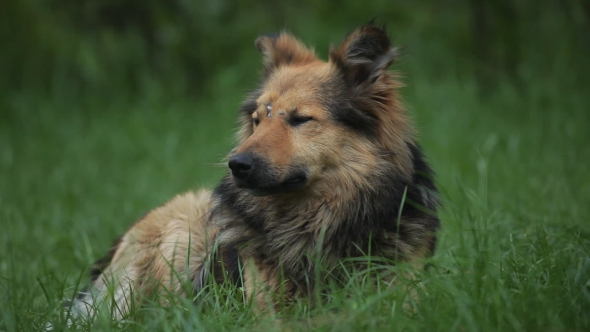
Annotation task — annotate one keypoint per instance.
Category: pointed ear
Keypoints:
(283, 49)
(364, 55)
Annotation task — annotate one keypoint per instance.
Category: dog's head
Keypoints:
(312, 118)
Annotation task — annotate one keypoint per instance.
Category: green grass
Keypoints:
(514, 250)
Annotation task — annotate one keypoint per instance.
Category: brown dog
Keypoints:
(327, 168)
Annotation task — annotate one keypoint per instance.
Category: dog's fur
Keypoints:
(326, 168)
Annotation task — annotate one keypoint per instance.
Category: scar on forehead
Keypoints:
(268, 110)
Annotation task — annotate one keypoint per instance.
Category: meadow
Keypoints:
(78, 168)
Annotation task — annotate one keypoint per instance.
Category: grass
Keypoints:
(514, 251)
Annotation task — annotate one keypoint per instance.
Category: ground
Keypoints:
(514, 249)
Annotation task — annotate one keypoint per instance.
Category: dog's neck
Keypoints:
(330, 223)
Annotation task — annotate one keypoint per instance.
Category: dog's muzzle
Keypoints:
(253, 173)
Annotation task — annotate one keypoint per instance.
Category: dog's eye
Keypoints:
(299, 120)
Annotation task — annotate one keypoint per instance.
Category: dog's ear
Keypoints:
(364, 55)
(283, 49)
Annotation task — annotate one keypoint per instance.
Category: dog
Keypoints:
(326, 168)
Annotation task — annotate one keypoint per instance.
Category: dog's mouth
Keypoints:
(294, 182)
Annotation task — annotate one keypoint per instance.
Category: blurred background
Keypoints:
(109, 108)
(181, 47)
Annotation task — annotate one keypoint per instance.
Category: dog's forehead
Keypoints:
(293, 86)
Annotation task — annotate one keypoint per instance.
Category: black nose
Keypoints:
(240, 165)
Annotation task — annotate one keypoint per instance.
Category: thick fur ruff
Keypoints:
(326, 169)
